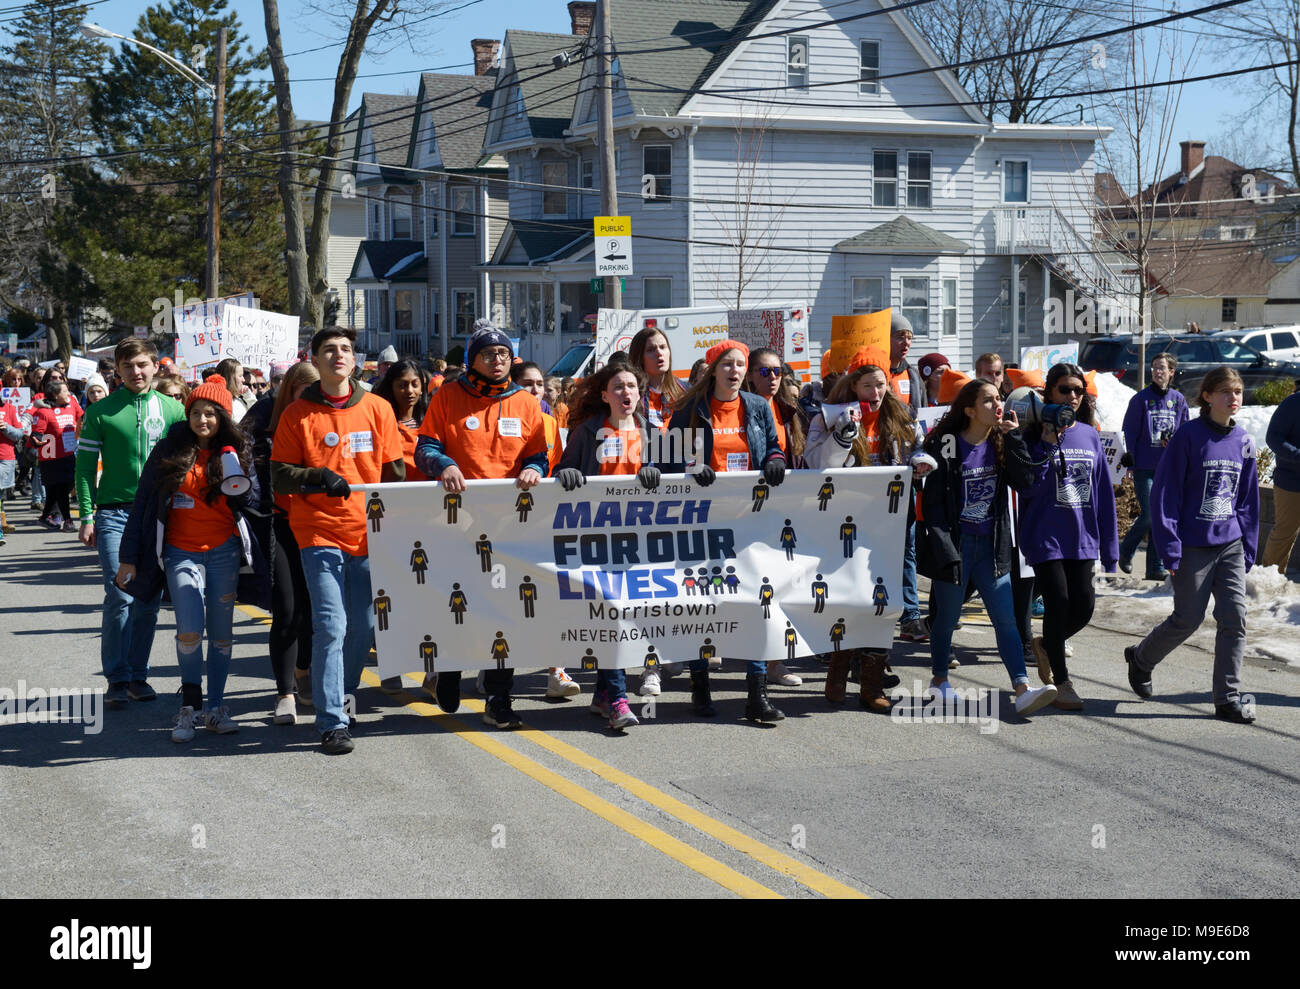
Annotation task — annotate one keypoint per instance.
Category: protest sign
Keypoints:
(1113, 446)
(1042, 358)
(21, 397)
(198, 334)
(613, 576)
(758, 328)
(257, 338)
(849, 334)
(930, 415)
(79, 369)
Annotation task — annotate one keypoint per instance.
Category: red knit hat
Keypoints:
(213, 390)
(718, 349)
(930, 363)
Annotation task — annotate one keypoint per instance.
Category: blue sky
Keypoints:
(1211, 111)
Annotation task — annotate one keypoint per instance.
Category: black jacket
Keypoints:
(583, 449)
(940, 558)
(144, 536)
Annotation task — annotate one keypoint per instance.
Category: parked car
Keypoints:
(573, 363)
(1281, 343)
(1196, 354)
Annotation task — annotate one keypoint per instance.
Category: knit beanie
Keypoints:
(214, 390)
(930, 363)
(718, 349)
(489, 336)
(97, 379)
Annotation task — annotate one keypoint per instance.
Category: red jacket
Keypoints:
(60, 425)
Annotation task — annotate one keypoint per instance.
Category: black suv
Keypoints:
(1196, 354)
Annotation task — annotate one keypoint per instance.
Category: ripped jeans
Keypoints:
(202, 588)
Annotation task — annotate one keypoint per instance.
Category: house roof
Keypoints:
(548, 92)
(381, 256)
(902, 235)
(545, 241)
(389, 119)
(1213, 190)
(1212, 269)
(320, 132)
(459, 105)
(712, 29)
(1108, 190)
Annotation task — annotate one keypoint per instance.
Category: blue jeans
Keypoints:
(612, 683)
(1142, 480)
(126, 633)
(753, 667)
(38, 489)
(976, 566)
(342, 628)
(911, 602)
(202, 588)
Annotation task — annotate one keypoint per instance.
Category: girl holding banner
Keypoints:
(968, 522)
(735, 432)
(873, 428)
(606, 428)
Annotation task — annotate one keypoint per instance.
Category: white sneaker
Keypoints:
(286, 711)
(1069, 650)
(649, 684)
(953, 664)
(1031, 700)
(184, 730)
(220, 721)
(779, 675)
(560, 684)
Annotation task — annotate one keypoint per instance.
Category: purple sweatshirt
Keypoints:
(1070, 516)
(979, 481)
(1150, 414)
(1206, 491)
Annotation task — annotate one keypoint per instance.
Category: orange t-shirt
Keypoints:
(730, 444)
(354, 443)
(620, 450)
(870, 422)
(781, 439)
(554, 445)
(408, 435)
(486, 437)
(192, 524)
(657, 411)
(900, 384)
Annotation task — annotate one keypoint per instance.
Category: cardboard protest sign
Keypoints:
(1042, 358)
(258, 338)
(849, 334)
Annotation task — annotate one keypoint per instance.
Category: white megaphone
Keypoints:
(233, 479)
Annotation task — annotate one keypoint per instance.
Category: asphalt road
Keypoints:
(1153, 799)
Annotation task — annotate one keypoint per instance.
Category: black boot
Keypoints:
(700, 696)
(758, 707)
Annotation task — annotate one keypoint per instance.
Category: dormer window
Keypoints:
(797, 61)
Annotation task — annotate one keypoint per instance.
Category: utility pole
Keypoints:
(605, 139)
(212, 276)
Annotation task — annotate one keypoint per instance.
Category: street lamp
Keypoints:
(217, 93)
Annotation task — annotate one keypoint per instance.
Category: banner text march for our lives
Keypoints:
(613, 576)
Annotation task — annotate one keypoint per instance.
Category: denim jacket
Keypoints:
(760, 433)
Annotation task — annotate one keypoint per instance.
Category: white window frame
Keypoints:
(645, 292)
(663, 196)
(561, 193)
(948, 319)
(435, 315)
(876, 182)
(868, 76)
(377, 221)
(926, 184)
(796, 76)
(1004, 305)
(396, 207)
(456, 293)
(854, 296)
(587, 173)
(906, 310)
(518, 103)
(431, 204)
(1223, 309)
(457, 212)
(1029, 183)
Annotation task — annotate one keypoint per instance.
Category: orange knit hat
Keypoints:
(213, 390)
(950, 384)
(870, 357)
(718, 349)
(1020, 378)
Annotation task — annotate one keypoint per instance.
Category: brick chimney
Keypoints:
(581, 15)
(1193, 155)
(485, 55)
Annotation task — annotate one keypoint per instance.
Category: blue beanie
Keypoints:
(486, 338)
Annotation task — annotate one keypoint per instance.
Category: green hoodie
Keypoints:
(121, 430)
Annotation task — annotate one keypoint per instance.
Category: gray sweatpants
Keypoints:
(1217, 570)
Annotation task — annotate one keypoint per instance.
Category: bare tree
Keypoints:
(749, 220)
(306, 256)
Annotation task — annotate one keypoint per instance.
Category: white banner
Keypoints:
(1042, 358)
(613, 576)
(22, 397)
(257, 338)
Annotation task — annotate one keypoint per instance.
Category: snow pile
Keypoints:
(1113, 397)
(1134, 607)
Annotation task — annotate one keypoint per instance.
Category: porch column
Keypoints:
(1047, 288)
(556, 308)
(1015, 310)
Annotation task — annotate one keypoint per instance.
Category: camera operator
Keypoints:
(1067, 521)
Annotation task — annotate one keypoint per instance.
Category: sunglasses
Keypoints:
(1069, 390)
(769, 372)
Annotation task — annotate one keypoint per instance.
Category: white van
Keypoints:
(1281, 343)
(692, 331)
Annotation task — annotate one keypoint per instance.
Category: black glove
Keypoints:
(649, 477)
(774, 471)
(1126, 460)
(705, 476)
(570, 478)
(334, 485)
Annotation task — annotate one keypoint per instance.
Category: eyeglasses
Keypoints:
(495, 354)
(1070, 390)
(769, 372)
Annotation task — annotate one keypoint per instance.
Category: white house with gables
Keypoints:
(789, 158)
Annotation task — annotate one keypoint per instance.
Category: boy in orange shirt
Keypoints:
(483, 426)
(334, 436)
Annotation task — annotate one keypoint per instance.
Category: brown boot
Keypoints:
(872, 696)
(837, 677)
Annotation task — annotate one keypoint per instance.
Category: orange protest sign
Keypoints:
(849, 334)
